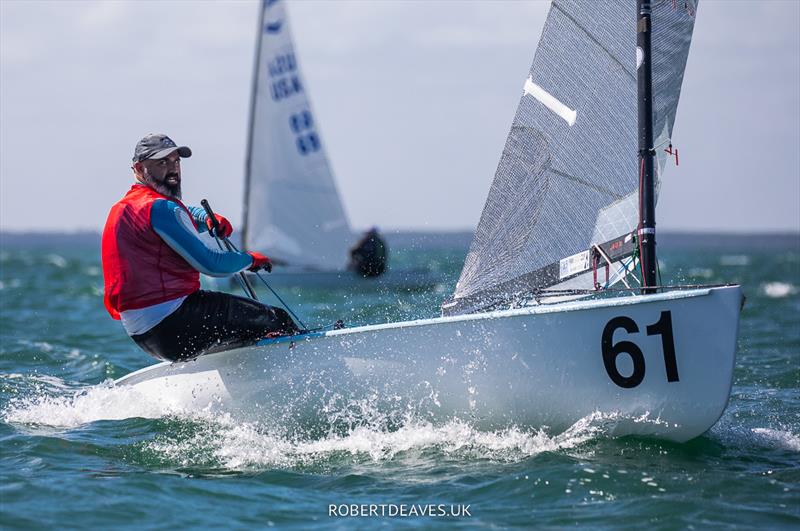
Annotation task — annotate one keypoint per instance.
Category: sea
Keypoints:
(78, 452)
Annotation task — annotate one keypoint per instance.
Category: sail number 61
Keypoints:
(611, 350)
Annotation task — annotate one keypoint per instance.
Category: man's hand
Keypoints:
(224, 227)
(260, 262)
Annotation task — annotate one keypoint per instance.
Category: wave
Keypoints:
(49, 404)
(735, 260)
(701, 272)
(777, 290)
(784, 440)
(217, 439)
(747, 439)
(236, 446)
(56, 260)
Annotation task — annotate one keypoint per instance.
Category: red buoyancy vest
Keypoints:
(139, 268)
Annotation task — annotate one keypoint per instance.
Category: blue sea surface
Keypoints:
(78, 452)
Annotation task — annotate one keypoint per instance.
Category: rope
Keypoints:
(636, 256)
(658, 272)
(238, 280)
(280, 299)
(643, 281)
(624, 267)
(608, 260)
(241, 283)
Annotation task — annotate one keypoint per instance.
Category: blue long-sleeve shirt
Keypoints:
(172, 223)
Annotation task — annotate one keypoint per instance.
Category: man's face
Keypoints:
(163, 175)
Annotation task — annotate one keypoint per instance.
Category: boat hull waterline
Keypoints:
(661, 365)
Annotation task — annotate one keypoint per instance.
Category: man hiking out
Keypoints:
(152, 259)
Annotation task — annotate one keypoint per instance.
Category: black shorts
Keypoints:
(211, 321)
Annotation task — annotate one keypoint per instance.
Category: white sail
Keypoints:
(292, 209)
(566, 191)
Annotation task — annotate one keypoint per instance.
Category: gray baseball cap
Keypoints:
(158, 146)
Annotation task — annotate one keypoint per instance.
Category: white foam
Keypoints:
(100, 402)
(246, 446)
(701, 272)
(12, 284)
(218, 439)
(777, 290)
(56, 260)
(781, 439)
(739, 260)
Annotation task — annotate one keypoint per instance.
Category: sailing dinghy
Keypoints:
(570, 211)
(292, 208)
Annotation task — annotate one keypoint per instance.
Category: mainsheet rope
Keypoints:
(241, 283)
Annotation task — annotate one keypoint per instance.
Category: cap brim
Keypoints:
(183, 151)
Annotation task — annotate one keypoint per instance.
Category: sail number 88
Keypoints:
(611, 350)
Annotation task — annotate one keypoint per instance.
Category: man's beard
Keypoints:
(162, 186)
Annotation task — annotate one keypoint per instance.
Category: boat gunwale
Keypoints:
(675, 293)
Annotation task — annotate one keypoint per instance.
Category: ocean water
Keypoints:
(77, 452)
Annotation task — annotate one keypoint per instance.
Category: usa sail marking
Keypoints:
(283, 71)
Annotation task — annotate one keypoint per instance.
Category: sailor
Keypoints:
(368, 257)
(153, 255)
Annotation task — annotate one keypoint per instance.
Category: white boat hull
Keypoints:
(534, 367)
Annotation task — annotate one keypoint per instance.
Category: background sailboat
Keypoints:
(293, 211)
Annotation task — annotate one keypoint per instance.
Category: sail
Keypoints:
(568, 176)
(292, 209)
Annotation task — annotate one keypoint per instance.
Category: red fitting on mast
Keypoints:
(672, 151)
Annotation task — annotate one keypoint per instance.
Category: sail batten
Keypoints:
(568, 176)
(588, 183)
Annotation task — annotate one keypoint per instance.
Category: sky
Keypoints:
(413, 99)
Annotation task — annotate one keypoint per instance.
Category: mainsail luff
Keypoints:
(568, 177)
(251, 124)
(292, 207)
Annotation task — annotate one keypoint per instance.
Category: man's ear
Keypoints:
(138, 168)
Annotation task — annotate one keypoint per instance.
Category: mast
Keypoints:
(647, 210)
(251, 125)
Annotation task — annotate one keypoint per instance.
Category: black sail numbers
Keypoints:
(611, 350)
